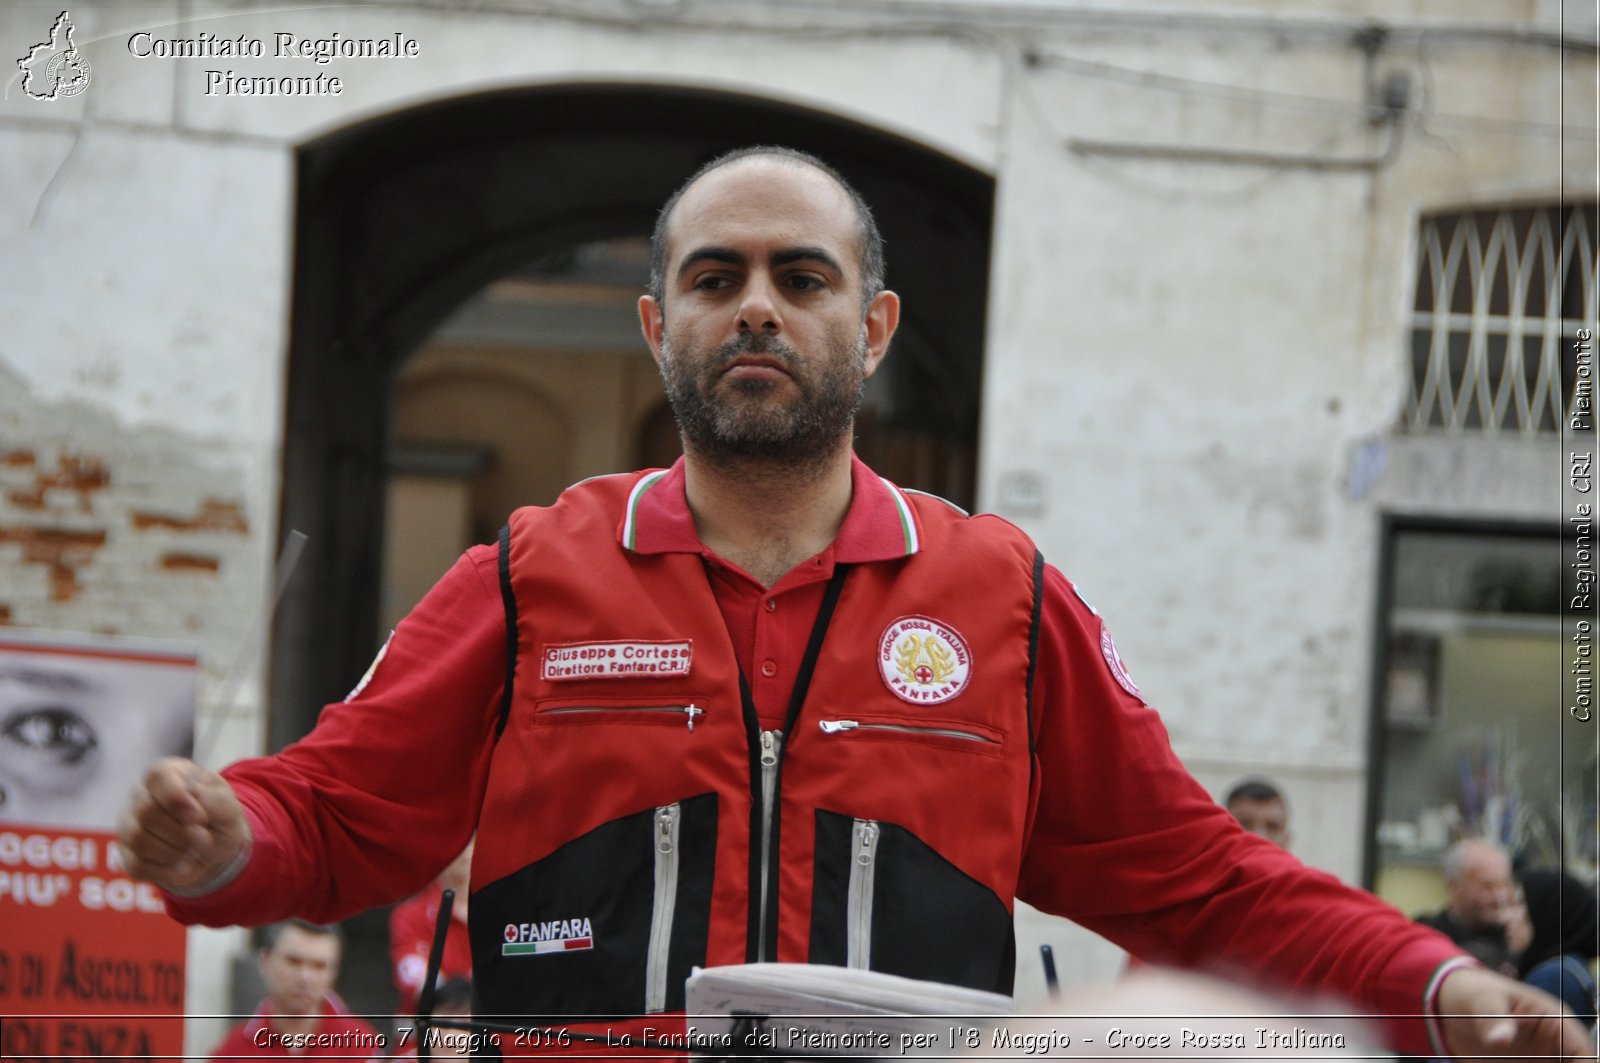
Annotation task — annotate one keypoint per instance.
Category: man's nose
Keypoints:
(758, 308)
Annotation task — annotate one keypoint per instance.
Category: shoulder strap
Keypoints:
(1033, 638)
(507, 596)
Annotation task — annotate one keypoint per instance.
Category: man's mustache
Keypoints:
(756, 343)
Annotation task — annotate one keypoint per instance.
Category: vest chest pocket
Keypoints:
(683, 712)
(608, 924)
(960, 736)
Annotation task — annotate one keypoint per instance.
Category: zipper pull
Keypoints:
(866, 836)
(769, 748)
(666, 829)
(833, 727)
(691, 712)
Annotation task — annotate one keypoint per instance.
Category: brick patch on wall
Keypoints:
(214, 515)
(60, 550)
(176, 562)
(79, 473)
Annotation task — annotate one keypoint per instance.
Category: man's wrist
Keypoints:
(227, 874)
(1430, 1001)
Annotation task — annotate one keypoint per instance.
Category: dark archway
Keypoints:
(400, 218)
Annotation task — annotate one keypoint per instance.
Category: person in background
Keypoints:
(411, 929)
(1260, 808)
(452, 1000)
(301, 1016)
(1565, 941)
(1483, 900)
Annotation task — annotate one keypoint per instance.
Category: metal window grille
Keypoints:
(1501, 295)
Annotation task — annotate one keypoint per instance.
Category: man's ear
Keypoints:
(882, 318)
(653, 323)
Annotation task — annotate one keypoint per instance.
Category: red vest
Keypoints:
(636, 815)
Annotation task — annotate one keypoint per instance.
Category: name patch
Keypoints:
(616, 659)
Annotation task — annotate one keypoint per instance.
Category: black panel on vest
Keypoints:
(606, 876)
(930, 919)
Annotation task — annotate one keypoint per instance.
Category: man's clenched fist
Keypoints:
(184, 830)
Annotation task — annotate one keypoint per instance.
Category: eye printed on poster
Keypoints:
(81, 717)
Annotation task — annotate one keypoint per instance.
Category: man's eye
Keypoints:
(711, 283)
(805, 282)
(52, 730)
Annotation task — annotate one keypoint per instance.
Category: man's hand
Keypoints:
(1484, 1015)
(184, 830)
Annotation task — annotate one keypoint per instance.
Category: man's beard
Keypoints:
(733, 422)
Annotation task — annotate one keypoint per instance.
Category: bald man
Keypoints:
(1483, 895)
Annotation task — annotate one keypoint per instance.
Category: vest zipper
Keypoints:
(666, 900)
(766, 769)
(771, 750)
(858, 903)
(839, 726)
(689, 712)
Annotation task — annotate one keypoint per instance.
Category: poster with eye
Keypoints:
(90, 964)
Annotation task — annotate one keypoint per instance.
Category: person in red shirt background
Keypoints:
(452, 1000)
(301, 1015)
(411, 929)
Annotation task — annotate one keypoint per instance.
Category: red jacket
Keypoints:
(1117, 835)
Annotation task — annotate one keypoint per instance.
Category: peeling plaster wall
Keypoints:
(117, 530)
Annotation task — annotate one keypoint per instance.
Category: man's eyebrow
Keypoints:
(807, 254)
(710, 254)
(786, 257)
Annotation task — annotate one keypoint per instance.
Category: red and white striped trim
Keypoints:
(908, 520)
(630, 520)
(1430, 1001)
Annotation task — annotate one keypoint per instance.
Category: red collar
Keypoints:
(265, 1012)
(879, 526)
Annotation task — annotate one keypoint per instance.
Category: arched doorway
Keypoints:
(401, 218)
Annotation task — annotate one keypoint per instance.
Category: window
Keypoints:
(1501, 296)
(1472, 736)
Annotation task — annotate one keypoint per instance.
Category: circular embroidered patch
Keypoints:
(1119, 671)
(923, 661)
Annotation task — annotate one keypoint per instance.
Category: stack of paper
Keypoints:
(800, 1009)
